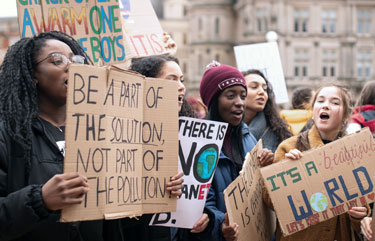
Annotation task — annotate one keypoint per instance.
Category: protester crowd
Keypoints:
(34, 189)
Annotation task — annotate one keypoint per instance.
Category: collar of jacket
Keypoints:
(364, 108)
(314, 137)
(244, 131)
(258, 125)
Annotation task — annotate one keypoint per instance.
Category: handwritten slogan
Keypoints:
(121, 133)
(200, 143)
(142, 30)
(325, 183)
(108, 30)
(244, 202)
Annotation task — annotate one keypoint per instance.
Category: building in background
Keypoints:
(319, 41)
(9, 34)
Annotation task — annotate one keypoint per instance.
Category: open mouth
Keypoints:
(180, 98)
(324, 116)
(238, 113)
(66, 82)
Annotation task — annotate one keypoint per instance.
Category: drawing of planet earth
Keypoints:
(319, 202)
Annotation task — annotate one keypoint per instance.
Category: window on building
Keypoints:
(301, 63)
(184, 38)
(329, 21)
(301, 20)
(364, 63)
(200, 24)
(217, 58)
(329, 60)
(262, 15)
(363, 21)
(217, 26)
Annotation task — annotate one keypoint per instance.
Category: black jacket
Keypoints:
(23, 215)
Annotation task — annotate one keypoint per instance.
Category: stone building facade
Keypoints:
(319, 40)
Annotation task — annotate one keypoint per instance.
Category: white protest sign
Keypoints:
(266, 58)
(200, 143)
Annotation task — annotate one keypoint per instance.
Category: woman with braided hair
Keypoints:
(33, 89)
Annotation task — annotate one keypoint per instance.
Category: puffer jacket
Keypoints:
(23, 215)
(225, 174)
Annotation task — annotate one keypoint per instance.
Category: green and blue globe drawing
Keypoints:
(205, 163)
(319, 202)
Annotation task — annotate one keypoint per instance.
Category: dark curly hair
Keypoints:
(301, 98)
(271, 111)
(151, 67)
(19, 104)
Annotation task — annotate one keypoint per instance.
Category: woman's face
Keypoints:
(231, 104)
(51, 79)
(328, 112)
(172, 71)
(256, 93)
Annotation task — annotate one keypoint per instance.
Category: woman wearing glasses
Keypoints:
(33, 90)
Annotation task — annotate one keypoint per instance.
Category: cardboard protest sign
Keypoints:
(121, 133)
(244, 201)
(97, 25)
(266, 58)
(324, 183)
(200, 143)
(142, 31)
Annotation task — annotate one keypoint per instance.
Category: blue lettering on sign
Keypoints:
(27, 22)
(303, 214)
(331, 191)
(360, 185)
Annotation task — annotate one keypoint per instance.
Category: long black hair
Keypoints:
(19, 104)
(151, 67)
(271, 111)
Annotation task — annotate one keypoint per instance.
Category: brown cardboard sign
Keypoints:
(244, 202)
(324, 183)
(122, 134)
(110, 31)
(142, 31)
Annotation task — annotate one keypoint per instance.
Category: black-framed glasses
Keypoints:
(62, 61)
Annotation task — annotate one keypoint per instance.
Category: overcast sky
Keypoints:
(8, 8)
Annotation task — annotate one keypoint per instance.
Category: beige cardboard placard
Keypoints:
(244, 202)
(142, 31)
(122, 134)
(97, 25)
(324, 183)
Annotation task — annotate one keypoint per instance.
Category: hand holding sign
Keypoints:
(63, 190)
(294, 154)
(358, 212)
(230, 231)
(201, 224)
(176, 184)
(266, 157)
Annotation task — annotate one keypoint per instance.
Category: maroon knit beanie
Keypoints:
(216, 79)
